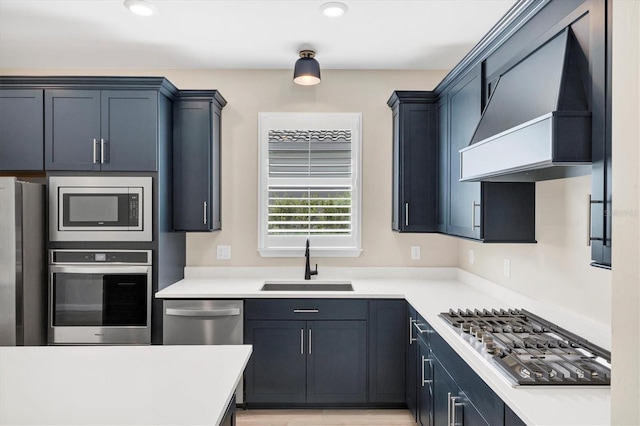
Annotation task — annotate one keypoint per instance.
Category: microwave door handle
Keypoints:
(100, 269)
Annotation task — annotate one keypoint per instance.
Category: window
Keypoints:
(309, 185)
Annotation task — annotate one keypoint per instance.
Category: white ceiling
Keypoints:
(238, 34)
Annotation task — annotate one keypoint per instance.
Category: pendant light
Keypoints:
(307, 69)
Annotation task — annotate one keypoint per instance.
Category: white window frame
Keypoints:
(321, 245)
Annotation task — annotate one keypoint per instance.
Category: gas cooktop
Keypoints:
(530, 350)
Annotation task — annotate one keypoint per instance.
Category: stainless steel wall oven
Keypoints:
(100, 296)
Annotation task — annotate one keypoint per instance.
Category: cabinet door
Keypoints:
(425, 386)
(412, 367)
(443, 165)
(444, 387)
(337, 362)
(277, 369)
(465, 103)
(72, 129)
(129, 130)
(511, 418)
(418, 167)
(192, 167)
(387, 339)
(21, 129)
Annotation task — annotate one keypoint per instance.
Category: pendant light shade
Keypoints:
(307, 69)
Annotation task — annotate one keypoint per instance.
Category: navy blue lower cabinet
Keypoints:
(336, 362)
(425, 385)
(229, 418)
(511, 418)
(301, 363)
(411, 370)
(276, 372)
(387, 339)
(444, 388)
(474, 401)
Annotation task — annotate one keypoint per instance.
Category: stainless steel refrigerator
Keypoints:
(23, 306)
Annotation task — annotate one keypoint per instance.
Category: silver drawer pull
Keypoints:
(309, 341)
(420, 330)
(231, 312)
(302, 341)
(306, 311)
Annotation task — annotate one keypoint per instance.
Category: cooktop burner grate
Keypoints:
(531, 350)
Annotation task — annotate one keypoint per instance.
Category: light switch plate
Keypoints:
(472, 256)
(507, 268)
(224, 252)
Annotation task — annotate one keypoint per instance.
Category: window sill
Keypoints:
(315, 252)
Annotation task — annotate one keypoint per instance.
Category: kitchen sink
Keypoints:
(307, 286)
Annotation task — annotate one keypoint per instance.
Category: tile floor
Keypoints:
(310, 417)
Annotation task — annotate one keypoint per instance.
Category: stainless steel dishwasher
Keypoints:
(204, 322)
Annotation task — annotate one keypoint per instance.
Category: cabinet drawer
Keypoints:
(306, 309)
(477, 391)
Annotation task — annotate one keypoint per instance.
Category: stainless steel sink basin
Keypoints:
(307, 286)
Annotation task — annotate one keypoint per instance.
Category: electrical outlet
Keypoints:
(415, 252)
(224, 252)
(507, 268)
(472, 257)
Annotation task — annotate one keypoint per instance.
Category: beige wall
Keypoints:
(556, 269)
(250, 92)
(625, 390)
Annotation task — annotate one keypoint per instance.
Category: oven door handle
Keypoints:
(101, 269)
(230, 312)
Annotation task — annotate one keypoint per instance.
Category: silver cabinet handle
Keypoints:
(420, 330)
(590, 237)
(473, 214)
(448, 408)
(411, 338)
(406, 214)
(424, 380)
(102, 143)
(454, 404)
(309, 341)
(306, 311)
(302, 341)
(95, 154)
(588, 220)
(203, 312)
(204, 212)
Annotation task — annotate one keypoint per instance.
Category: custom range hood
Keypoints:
(537, 121)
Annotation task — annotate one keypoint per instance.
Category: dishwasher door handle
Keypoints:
(230, 312)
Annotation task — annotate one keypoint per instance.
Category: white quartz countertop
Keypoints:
(118, 385)
(432, 291)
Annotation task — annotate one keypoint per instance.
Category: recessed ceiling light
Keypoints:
(334, 9)
(140, 7)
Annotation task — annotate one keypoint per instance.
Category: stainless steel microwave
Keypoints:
(100, 208)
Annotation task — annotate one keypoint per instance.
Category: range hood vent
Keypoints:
(537, 120)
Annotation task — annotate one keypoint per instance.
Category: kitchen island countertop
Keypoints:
(118, 385)
(432, 291)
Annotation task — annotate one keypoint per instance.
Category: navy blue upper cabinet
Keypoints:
(115, 130)
(414, 161)
(21, 129)
(486, 211)
(465, 108)
(196, 160)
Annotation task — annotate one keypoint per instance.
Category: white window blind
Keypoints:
(309, 182)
